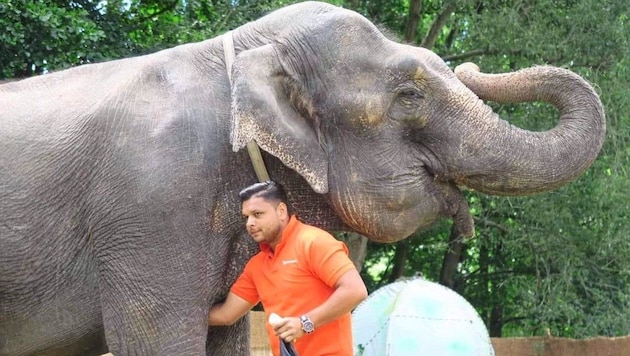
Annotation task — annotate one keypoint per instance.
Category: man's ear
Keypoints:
(284, 210)
(262, 111)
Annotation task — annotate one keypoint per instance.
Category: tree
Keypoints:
(41, 34)
(48, 35)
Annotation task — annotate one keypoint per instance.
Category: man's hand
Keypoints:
(288, 329)
(228, 312)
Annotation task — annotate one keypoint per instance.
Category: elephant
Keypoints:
(120, 223)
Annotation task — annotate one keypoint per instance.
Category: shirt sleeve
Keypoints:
(328, 259)
(244, 286)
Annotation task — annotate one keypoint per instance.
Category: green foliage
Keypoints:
(557, 263)
(48, 35)
(378, 265)
(42, 35)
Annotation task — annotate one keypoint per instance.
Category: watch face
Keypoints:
(307, 324)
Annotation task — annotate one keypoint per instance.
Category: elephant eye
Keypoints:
(407, 102)
(409, 95)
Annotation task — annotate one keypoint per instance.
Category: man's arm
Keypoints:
(349, 292)
(228, 312)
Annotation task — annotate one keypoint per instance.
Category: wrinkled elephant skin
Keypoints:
(119, 219)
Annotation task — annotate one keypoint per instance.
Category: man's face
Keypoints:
(264, 219)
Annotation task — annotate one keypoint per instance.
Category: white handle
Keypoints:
(274, 319)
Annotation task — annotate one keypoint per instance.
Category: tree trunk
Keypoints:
(415, 9)
(496, 321)
(400, 260)
(452, 257)
(357, 245)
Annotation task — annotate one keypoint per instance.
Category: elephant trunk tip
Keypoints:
(466, 67)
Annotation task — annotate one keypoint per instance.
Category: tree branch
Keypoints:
(517, 52)
(487, 222)
(465, 55)
(434, 32)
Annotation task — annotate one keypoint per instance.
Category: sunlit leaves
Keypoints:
(40, 35)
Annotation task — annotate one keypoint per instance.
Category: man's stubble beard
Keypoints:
(275, 234)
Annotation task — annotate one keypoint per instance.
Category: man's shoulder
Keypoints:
(312, 238)
(307, 232)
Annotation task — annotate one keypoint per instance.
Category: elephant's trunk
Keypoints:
(535, 161)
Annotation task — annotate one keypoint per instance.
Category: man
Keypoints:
(301, 273)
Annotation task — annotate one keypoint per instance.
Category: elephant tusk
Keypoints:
(252, 147)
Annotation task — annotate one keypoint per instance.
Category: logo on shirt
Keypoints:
(286, 262)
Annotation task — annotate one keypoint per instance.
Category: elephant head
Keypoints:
(388, 132)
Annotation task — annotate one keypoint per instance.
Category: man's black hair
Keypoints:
(268, 190)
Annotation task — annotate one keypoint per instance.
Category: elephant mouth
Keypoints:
(394, 215)
(446, 188)
(451, 200)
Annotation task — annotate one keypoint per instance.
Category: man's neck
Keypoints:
(279, 239)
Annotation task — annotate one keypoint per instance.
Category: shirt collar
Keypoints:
(288, 230)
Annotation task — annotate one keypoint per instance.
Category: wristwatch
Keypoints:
(307, 325)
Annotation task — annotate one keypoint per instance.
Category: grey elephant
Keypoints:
(119, 218)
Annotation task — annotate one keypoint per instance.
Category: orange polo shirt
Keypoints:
(298, 277)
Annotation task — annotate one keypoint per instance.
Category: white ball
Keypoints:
(418, 317)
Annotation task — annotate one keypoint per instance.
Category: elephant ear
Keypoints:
(264, 110)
